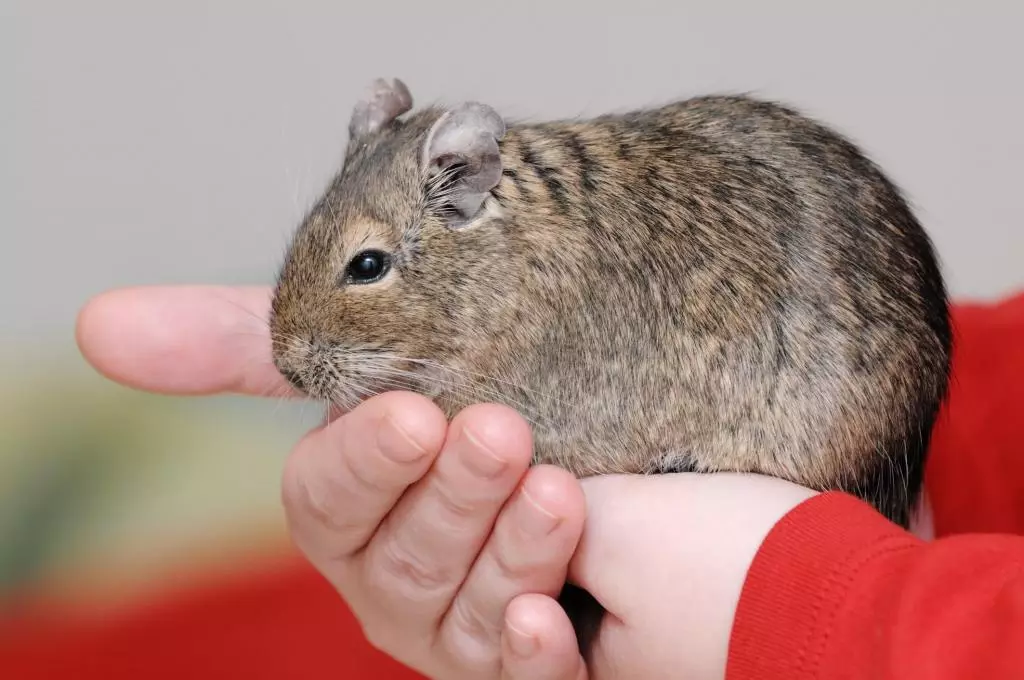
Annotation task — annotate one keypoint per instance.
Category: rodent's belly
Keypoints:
(872, 459)
(647, 420)
(675, 404)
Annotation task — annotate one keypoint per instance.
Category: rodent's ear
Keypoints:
(382, 103)
(463, 161)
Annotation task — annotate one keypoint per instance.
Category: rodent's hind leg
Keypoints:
(586, 615)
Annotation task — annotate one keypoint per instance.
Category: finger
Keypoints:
(528, 552)
(183, 340)
(426, 546)
(343, 479)
(538, 642)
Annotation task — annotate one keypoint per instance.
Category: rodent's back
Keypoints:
(719, 284)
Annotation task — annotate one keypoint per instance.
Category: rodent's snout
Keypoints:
(310, 366)
(291, 358)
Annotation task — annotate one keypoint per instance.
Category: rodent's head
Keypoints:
(385, 275)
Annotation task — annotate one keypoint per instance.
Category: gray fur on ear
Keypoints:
(463, 160)
(383, 103)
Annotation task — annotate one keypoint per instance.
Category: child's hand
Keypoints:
(431, 530)
(447, 549)
(667, 556)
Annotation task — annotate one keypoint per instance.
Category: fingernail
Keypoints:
(481, 460)
(395, 442)
(536, 521)
(521, 643)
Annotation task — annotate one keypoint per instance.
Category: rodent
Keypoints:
(719, 283)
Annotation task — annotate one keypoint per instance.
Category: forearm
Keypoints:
(836, 591)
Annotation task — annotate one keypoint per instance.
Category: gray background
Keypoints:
(153, 142)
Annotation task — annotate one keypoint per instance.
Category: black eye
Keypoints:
(368, 266)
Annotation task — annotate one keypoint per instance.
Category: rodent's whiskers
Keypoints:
(461, 373)
(234, 303)
(440, 190)
(458, 371)
(280, 393)
(463, 378)
(357, 374)
(342, 391)
(381, 368)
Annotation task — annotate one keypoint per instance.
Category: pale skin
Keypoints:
(448, 547)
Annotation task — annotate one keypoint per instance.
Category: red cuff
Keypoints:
(798, 582)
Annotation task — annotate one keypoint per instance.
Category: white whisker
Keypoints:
(466, 389)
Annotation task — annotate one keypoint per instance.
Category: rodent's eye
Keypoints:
(368, 266)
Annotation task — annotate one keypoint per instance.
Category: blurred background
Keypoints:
(181, 141)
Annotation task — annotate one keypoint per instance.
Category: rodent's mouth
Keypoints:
(347, 376)
(345, 385)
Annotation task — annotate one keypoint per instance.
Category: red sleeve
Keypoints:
(975, 473)
(836, 591)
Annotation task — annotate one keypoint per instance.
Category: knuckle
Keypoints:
(510, 563)
(480, 653)
(324, 492)
(316, 500)
(305, 487)
(471, 623)
(455, 508)
(397, 563)
(312, 507)
(296, 494)
(360, 470)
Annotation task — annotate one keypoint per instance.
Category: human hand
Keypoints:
(431, 530)
(667, 556)
(446, 547)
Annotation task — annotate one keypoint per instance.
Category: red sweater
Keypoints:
(838, 592)
(835, 592)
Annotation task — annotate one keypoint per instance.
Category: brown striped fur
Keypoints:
(720, 283)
